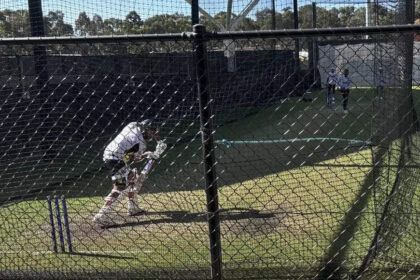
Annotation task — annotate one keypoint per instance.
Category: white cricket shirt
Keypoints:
(332, 78)
(344, 82)
(130, 136)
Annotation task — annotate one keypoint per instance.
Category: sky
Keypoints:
(149, 8)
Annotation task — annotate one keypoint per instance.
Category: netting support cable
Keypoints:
(206, 120)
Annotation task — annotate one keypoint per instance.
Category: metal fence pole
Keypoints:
(296, 26)
(195, 14)
(35, 18)
(311, 42)
(206, 119)
(315, 52)
(37, 30)
(273, 15)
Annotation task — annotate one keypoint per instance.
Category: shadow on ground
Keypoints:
(232, 214)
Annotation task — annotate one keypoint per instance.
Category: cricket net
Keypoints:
(305, 190)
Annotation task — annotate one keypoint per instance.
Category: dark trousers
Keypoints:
(331, 88)
(345, 93)
(114, 167)
(380, 91)
(330, 94)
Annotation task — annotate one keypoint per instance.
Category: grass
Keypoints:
(281, 206)
(260, 217)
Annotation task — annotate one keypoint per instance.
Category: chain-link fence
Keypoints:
(274, 168)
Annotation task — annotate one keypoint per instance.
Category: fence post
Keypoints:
(206, 121)
(37, 30)
(315, 51)
(296, 26)
(273, 15)
(195, 14)
(35, 18)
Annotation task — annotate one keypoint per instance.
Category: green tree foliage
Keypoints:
(383, 15)
(167, 24)
(286, 19)
(349, 16)
(263, 18)
(417, 10)
(55, 25)
(327, 18)
(113, 26)
(83, 24)
(305, 16)
(213, 25)
(15, 23)
(96, 25)
(132, 23)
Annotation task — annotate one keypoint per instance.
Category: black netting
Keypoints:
(300, 162)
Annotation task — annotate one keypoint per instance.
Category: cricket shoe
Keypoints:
(134, 209)
(103, 220)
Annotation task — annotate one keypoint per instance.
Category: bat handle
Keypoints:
(147, 167)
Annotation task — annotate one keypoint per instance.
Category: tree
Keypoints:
(305, 16)
(263, 19)
(417, 10)
(217, 23)
(358, 18)
(14, 23)
(133, 18)
(384, 15)
(287, 19)
(2, 21)
(167, 23)
(86, 26)
(55, 25)
(82, 24)
(327, 18)
(132, 23)
(248, 24)
(96, 26)
(345, 15)
(113, 26)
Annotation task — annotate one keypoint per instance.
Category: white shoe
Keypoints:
(134, 209)
(103, 220)
(346, 111)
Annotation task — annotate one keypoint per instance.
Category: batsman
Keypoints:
(127, 148)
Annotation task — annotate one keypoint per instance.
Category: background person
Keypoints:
(344, 83)
(331, 83)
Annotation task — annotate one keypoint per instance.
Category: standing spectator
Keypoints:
(344, 84)
(331, 83)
